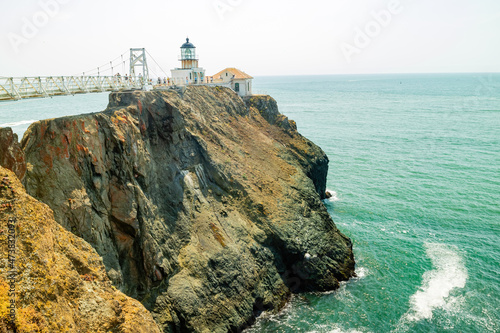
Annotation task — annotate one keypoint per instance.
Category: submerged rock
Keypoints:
(202, 206)
(59, 281)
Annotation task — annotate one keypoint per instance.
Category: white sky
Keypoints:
(273, 37)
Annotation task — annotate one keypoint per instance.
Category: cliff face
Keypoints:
(11, 155)
(204, 208)
(61, 284)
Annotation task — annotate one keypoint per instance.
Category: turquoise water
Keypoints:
(415, 165)
(20, 114)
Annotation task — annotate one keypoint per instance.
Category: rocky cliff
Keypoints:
(11, 155)
(61, 283)
(205, 208)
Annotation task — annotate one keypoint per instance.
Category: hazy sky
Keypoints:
(261, 37)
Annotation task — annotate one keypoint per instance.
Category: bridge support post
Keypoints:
(14, 92)
(138, 59)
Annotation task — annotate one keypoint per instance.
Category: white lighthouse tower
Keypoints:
(189, 73)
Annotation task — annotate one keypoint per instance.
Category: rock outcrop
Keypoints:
(204, 208)
(61, 284)
(11, 154)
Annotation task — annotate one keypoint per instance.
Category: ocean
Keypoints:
(415, 173)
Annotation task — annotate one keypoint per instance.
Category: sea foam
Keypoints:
(335, 329)
(334, 197)
(449, 273)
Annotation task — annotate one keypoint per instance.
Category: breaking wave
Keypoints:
(449, 273)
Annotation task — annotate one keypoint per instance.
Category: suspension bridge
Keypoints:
(99, 79)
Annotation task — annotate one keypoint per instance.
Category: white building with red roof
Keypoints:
(238, 80)
(191, 73)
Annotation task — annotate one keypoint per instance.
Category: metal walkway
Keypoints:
(15, 88)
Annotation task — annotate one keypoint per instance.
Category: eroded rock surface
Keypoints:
(11, 154)
(61, 284)
(205, 208)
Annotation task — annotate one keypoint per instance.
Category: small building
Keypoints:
(190, 72)
(238, 80)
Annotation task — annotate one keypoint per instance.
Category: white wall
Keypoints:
(244, 86)
(179, 75)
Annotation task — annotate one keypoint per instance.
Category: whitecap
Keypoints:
(334, 328)
(449, 273)
(362, 272)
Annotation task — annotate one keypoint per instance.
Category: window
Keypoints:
(237, 87)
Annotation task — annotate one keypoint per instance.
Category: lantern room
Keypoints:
(189, 73)
(188, 55)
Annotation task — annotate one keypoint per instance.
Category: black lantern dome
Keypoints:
(187, 45)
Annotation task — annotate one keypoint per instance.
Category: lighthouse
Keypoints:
(188, 55)
(189, 72)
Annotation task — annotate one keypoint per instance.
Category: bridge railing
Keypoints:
(14, 88)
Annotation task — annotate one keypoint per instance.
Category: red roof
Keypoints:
(236, 72)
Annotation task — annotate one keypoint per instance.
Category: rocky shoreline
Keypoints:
(203, 206)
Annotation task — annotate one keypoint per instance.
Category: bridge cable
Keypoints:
(149, 54)
(103, 68)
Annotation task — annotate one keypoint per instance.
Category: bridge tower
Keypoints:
(138, 59)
